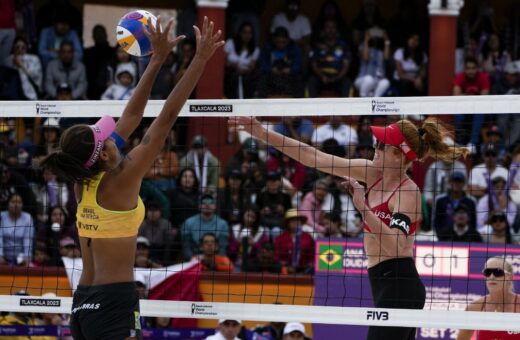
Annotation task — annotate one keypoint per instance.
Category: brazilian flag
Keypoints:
(331, 257)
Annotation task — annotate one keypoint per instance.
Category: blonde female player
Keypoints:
(106, 303)
(391, 207)
(501, 298)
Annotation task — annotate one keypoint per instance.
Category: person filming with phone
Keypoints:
(374, 53)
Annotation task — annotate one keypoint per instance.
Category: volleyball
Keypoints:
(131, 35)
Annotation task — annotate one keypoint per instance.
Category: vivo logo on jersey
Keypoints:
(401, 224)
(375, 315)
(383, 215)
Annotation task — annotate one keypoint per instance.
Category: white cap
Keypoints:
(49, 295)
(224, 320)
(143, 240)
(294, 326)
(51, 123)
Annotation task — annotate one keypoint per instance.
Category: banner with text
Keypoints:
(452, 274)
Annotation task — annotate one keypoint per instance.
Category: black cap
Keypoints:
(458, 176)
(497, 215)
(498, 178)
(235, 173)
(273, 176)
(153, 205)
(250, 145)
(199, 142)
(490, 150)
(494, 130)
(461, 207)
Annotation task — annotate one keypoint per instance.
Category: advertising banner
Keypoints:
(451, 273)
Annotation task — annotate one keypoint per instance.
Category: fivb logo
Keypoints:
(375, 315)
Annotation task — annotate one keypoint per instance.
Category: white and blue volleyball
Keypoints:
(131, 35)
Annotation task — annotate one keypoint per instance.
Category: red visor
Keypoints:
(392, 135)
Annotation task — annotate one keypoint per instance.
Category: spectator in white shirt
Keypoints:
(16, 233)
(410, 64)
(482, 174)
(297, 24)
(335, 128)
(241, 56)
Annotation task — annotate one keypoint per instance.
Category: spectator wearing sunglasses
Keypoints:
(502, 298)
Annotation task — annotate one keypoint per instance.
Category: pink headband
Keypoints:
(102, 131)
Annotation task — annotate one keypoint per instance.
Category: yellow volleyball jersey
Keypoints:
(94, 221)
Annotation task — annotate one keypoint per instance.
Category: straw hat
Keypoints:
(291, 214)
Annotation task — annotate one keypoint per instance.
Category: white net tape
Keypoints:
(455, 319)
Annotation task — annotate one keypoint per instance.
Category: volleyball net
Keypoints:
(318, 275)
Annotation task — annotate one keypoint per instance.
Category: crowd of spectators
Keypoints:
(261, 211)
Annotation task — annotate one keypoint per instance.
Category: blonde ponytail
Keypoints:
(430, 140)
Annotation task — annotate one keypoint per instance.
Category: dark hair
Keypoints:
(251, 45)
(196, 180)
(486, 51)
(76, 145)
(16, 193)
(496, 214)
(280, 31)
(63, 211)
(331, 146)
(333, 217)
(470, 59)
(209, 234)
(190, 42)
(20, 38)
(254, 208)
(417, 55)
(65, 43)
(338, 17)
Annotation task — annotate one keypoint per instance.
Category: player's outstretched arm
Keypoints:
(143, 155)
(309, 156)
(161, 47)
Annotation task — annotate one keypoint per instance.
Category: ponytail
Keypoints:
(434, 142)
(431, 140)
(67, 167)
(76, 145)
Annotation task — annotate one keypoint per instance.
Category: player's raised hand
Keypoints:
(247, 124)
(207, 41)
(162, 45)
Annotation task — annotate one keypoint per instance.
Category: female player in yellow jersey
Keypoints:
(106, 303)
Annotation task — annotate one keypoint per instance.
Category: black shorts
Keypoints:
(106, 312)
(395, 283)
